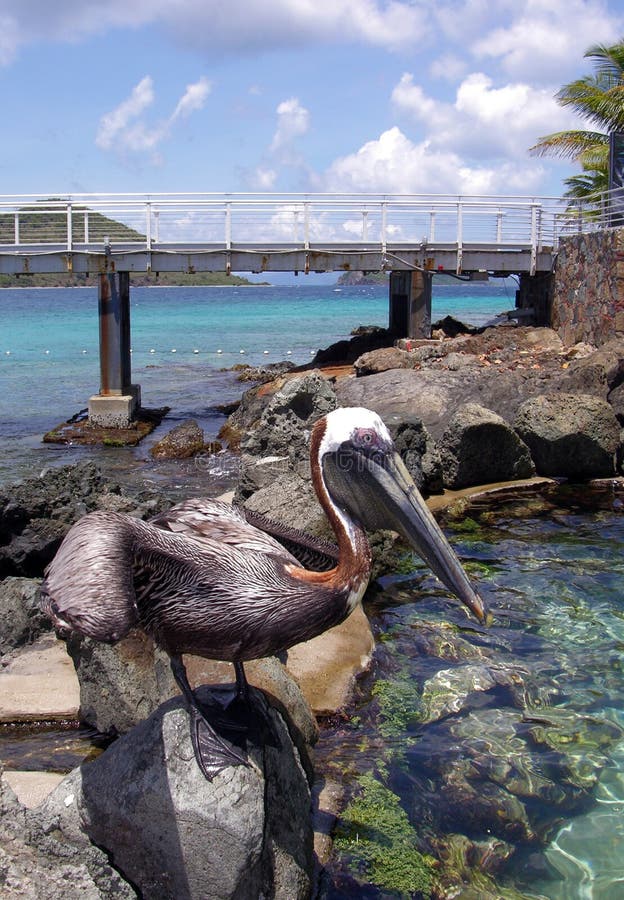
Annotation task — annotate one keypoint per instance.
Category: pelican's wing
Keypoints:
(212, 522)
(88, 586)
(310, 551)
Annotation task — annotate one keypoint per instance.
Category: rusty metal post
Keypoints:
(114, 320)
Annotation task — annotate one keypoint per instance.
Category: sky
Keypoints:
(393, 96)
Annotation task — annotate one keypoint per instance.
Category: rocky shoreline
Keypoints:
(501, 405)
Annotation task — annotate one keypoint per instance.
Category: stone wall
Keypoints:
(588, 293)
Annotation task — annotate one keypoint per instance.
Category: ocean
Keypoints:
(185, 340)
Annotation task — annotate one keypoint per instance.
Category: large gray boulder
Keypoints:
(418, 451)
(174, 834)
(570, 435)
(182, 442)
(479, 447)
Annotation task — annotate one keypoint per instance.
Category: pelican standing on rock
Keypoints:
(200, 579)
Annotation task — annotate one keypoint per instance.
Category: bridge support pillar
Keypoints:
(118, 400)
(410, 304)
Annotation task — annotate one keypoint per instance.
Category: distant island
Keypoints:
(139, 279)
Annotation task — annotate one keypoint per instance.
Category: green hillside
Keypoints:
(42, 222)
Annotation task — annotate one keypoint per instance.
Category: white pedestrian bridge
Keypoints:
(195, 232)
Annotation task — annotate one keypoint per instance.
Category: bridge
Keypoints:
(410, 236)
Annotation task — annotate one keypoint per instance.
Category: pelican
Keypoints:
(201, 579)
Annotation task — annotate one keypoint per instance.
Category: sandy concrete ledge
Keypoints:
(31, 788)
(39, 684)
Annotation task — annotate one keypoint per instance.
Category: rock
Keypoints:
(615, 398)
(172, 833)
(348, 351)
(291, 500)
(570, 435)
(479, 447)
(283, 427)
(418, 451)
(37, 513)
(599, 372)
(122, 683)
(263, 374)
(382, 360)
(21, 620)
(38, 862)
(182, 442)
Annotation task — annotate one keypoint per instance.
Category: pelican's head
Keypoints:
(365, 476)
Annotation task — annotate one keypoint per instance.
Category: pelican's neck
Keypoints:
(354, 557)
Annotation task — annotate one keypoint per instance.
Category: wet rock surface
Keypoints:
(183, 441)
(21, 620)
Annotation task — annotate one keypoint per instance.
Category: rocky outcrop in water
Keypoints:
(21, 619)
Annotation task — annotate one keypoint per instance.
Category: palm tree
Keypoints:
(599, 99)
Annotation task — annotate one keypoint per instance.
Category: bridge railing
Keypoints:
(87, 222)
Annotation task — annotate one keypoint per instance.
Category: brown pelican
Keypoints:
(200, 579)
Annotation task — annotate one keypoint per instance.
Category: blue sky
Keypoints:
(419, 96)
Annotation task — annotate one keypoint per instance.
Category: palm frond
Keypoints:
(570, 144)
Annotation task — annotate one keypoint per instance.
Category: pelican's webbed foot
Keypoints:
(213, 751)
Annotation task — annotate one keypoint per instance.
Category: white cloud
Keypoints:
(545, 41)
(483, 122)
(394, 164)
(193, 98)
(124, 130)
(116, 122)
(215, 27)
(263, 179)
(293, 121)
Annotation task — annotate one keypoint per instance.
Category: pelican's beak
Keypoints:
(384, 496)
(415, 522)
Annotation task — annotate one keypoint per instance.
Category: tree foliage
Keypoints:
(599, 100)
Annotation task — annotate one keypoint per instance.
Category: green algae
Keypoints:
(376, 835)
(398, 706)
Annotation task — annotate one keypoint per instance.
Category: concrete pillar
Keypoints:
(410, 304)
(118, 399)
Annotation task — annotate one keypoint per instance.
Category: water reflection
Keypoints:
(504, 745)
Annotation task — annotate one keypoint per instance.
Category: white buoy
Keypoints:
(219, 351)
(174, 350)
(241, 351)
(195, 351)
(266, 352)
(8, 352)
(46, 351)
(289, 353)
(152, 350)
(84, 351)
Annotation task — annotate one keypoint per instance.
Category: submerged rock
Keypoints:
(183, 441)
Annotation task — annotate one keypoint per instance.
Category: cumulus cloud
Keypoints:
(124, 129)
(293, 120)
(483, 121)
(211, 26)
(544, 41)
(393, 163)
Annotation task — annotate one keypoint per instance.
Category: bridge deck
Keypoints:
(262, 232)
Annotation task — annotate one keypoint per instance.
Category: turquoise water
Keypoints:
(49, 348)
(510, 739)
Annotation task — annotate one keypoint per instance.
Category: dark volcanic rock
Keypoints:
(348, 351)
(37, 513)
(418, 452)
(40, 861)
(172, 833)
(570, 435)
(183, 441)
(479, 447)
(21, 620)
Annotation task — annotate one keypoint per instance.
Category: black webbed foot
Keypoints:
(213, 751)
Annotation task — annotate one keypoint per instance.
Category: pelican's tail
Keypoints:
(88, 586)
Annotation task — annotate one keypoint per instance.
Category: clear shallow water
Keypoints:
(49, 350)
(510, 737)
